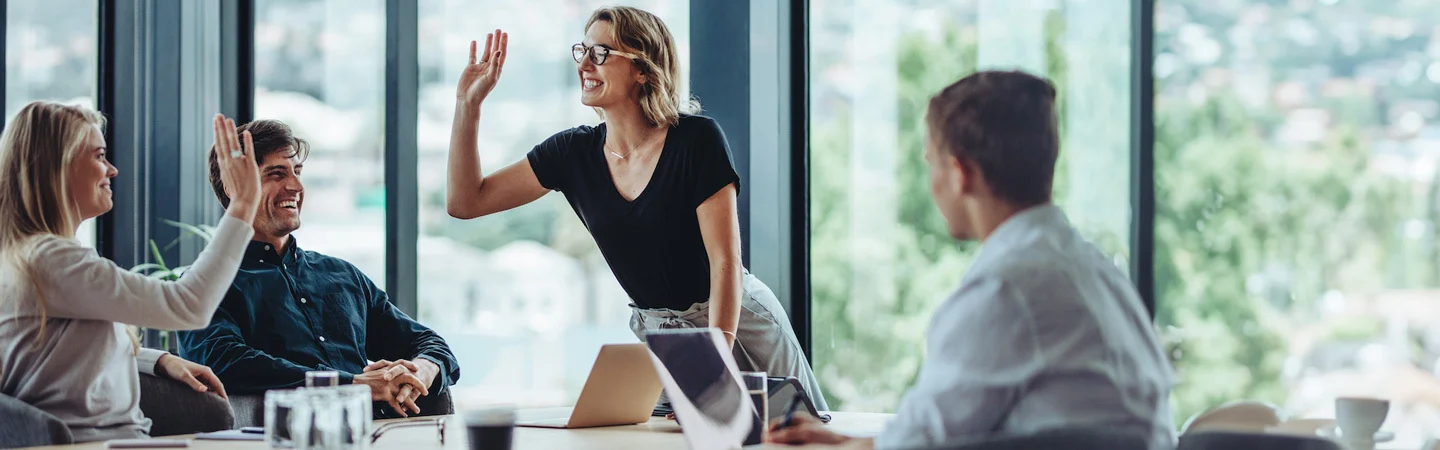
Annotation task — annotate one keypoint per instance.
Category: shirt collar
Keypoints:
(1039, 217)
(263, 253)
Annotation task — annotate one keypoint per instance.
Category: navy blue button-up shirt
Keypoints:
(287, 314)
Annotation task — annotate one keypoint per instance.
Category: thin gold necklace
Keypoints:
(618, 155)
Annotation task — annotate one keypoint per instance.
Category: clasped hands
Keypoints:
(399, 382)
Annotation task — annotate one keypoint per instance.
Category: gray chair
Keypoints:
(1215, 440)
(1070, 438)
(249, 410)
(172, 406)
(22, 425)
(175, 408)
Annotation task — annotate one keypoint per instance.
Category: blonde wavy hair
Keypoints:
(36, 151)
(642, 33)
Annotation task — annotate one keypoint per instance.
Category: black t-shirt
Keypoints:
(653, 243)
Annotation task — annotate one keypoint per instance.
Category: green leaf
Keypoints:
(147, 266)
(209, 232)
(155, 251)
(162, 275)
(190, 229)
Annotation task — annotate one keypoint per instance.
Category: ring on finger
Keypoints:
(237, 154)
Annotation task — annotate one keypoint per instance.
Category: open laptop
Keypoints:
(712, 407)
(622, 389)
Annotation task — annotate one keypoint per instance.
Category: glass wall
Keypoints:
(320, 67)
(523, 297)
(881, 259)
(52, 53)
(1296, 151)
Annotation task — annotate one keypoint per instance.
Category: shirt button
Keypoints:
(302, 300)
(322, 338)
(267, 247)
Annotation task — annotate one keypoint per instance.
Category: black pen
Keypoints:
(789, 412)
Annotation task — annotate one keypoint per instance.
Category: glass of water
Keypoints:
(278, 404)
(325, 418)
(322, 378)
(757, 387)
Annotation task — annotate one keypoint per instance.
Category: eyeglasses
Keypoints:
(439, 428)
(598, 53)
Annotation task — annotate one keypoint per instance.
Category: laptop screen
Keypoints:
(713, 411)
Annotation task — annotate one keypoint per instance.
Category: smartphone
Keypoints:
(147, 443)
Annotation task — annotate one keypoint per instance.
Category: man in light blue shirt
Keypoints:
(1044, 331)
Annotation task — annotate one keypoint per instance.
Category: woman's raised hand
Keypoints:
(238, 171)
(480, 75)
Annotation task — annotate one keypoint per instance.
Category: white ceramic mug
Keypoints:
(1360, 417)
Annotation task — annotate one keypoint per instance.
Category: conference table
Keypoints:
(658, 433)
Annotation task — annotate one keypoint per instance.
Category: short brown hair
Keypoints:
(270, 136)
(1003, 123)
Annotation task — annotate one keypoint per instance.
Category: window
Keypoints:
(523, 297)
(1297, 204)
(51, 53)
(881, 259)
(319, 67)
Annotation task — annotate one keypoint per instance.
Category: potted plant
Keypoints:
(158, 268)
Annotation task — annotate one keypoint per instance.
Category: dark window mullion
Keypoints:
(402, 83)
(1142, 147)
(800, 173)
(237, 50)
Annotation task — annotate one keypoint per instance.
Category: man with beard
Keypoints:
(292, 311)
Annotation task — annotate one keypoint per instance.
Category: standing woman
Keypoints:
(654, 184)
(64, 347)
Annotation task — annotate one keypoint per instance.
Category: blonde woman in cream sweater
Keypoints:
(64, 347)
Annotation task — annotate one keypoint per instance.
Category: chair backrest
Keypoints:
(22, 425)
(1224, 440)
(1076, 438)
(1241, 416)
(248, 409)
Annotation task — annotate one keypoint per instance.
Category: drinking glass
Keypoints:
(322, 378)
(322, 418)
(757, 386)
(491, 428)
(278, 405)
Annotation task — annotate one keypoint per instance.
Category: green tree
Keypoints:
(1249, 237)
(868, 352)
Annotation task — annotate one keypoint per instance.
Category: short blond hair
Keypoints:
(642, 33)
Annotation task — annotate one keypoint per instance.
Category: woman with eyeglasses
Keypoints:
(653, 183)
(64, 346)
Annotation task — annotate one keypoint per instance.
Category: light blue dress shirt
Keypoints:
(1044, 332)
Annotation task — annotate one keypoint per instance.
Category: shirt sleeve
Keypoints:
(553, 160)
(714, 166)
(394, 335)
(243, 369)
(146, 360)
(79, 284)
(980, 351)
